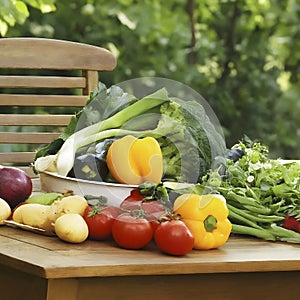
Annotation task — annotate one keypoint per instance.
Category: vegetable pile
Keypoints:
(147, 214)
(263, 194)
(173, 144)
(44, 216)
(188, 140)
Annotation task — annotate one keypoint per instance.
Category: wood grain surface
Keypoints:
(49, 257)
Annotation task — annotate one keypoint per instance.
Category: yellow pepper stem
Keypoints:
(210, 223)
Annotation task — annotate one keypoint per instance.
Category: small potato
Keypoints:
(5, 210)
(33, 214)
(74, 204)
(71, 228)
(17, 215)
(70, 204)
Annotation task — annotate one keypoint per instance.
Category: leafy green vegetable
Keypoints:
(65, 156)
(188, 127)
(260, 193)
(101, 104)
(188, 139)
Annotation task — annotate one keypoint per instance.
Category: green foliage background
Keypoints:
(242, 56)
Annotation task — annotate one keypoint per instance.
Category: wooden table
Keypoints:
(38, 267)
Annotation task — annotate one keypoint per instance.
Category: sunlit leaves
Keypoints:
(247, 62)
(16, 11)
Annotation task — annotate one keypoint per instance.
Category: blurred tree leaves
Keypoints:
(16, 11)
(241, 55)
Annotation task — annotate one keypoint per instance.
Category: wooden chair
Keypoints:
(17, 57)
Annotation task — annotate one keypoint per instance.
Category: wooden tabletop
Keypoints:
(49, 257)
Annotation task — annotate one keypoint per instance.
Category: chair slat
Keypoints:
(34, 120)
(16, 157)
(42, 82)
(33, 53)
(27, 138)
(80, 62)
(42, 100)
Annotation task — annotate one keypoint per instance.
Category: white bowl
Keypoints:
(115, 193)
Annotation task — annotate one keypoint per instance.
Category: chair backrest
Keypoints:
(37, 78)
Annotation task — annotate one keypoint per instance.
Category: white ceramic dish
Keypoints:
(115, 193)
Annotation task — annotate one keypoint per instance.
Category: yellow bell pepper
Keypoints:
(133, 161)
(207, 218)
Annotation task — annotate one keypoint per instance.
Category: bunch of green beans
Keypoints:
(250, 217)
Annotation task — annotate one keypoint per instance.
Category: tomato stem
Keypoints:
(169, 216)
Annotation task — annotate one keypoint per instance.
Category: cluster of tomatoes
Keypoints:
(137, 222)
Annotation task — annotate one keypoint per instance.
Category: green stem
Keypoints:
(107, 134)
(121, 117)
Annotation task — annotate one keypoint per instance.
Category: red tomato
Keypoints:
(173, 237)
(153, 220)
(136, 201)
(100, 220)
(131, 232)
(133, 201)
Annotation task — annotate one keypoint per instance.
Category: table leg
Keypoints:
(62, 289)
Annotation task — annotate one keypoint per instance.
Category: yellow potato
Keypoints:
(71, 228)
(33, 214)
(17, 215)
(70, 204)
(5, 210)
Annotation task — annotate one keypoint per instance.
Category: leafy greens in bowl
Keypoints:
(188, 139)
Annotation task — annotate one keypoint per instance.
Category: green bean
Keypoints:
(253, 217)
(250, 208)
(284, 234)
(270, 218)
(242, 199)
(260, 233)
(252, 192)
(240, 219)
(256, 209)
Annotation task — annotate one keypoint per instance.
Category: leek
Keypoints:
(63, 160)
